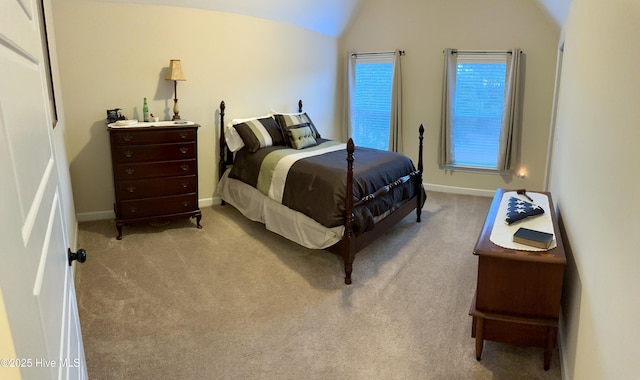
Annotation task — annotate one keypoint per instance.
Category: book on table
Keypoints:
(533, 238)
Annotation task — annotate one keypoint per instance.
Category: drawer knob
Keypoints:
(185, 203)
(184, 149)
(184, 184)
(183, 135)
(128, 154)
(130, 171)
(133, 209)
(184, 167)
(127, 137)
(131, 189)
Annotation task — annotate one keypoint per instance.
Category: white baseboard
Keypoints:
(104, 215)
(98, 215)
(459, 190)
(208, 202)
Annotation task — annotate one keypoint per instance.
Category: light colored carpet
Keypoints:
(235, 301)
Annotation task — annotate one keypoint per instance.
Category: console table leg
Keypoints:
(479, 337)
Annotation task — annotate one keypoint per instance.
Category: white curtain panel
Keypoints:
(446, 149)
(510, 132)
(395, 131)
(350, 98)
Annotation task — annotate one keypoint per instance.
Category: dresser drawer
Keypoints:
(156, 187)
(163, 206)
(152, 137)
(164, 152)
(156, 169)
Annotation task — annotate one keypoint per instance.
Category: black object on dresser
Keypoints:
(155, 174)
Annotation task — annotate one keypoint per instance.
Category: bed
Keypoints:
(308, 189)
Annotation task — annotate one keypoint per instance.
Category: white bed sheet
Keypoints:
(276, 217)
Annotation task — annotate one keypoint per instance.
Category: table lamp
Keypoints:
(175, 74)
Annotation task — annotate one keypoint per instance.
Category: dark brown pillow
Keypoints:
(260, 133)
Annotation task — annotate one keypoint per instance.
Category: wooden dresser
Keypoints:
(518, 293)
(155, 174)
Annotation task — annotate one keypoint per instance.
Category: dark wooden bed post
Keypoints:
(300, 105)
(419, 176)
(222, 166)
(348, 249)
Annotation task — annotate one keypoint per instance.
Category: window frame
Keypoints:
(508, 134)
(369, 59)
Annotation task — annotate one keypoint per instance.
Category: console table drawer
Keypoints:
(162, 206)
(156, 169)
(142, 153)
(156, 187)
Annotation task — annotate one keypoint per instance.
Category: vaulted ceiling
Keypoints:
(557, 9)
(328, 17)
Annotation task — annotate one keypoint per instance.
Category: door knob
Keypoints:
(81, 255)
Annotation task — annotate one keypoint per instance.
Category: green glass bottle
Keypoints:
(145, 110)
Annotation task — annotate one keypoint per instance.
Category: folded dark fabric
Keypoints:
(518, 210)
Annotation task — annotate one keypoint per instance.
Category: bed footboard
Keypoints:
(350, 244)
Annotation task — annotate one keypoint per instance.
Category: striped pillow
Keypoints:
(260, 133)
(291, 119)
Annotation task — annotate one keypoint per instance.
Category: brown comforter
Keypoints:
(315, 186)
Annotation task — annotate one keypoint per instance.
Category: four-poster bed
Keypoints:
(325, 204)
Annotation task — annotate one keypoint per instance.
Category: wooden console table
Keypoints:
(518, 293)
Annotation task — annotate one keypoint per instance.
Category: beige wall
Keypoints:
(595, 186)
(112, 55)
(424, 29)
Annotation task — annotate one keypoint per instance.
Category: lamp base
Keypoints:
(176, 109)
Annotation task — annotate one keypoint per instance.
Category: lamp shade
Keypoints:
(175, 71)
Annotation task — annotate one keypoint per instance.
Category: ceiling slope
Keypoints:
(556, 9)
(328, 17)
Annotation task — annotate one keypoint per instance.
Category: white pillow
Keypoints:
(273, 113)
(233, 139)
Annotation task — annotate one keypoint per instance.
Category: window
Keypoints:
(477, 112)
(372, 101)
(480, 110)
